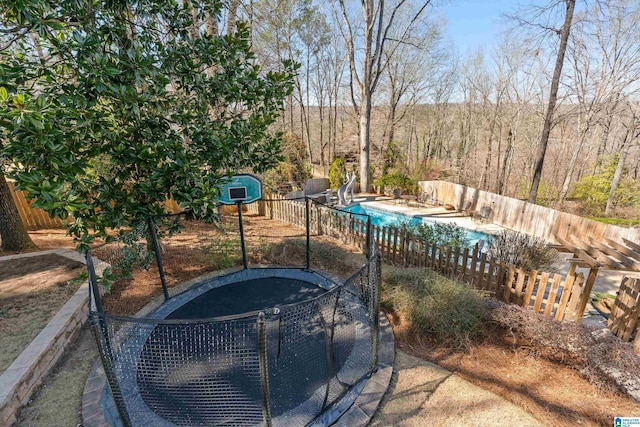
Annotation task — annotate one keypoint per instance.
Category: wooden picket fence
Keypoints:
(563, 298)
(625, 313)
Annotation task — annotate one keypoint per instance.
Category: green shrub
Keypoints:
(593, 190)
(396, 181)
(446, 311)
(522, 250)
(441, 234)
(294, 170)
(337, 172)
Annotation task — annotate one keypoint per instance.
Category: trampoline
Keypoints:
(259, 346)
(185, 365)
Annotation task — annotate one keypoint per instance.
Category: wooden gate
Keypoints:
(623, 319)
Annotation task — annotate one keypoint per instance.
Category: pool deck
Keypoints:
(432, 213)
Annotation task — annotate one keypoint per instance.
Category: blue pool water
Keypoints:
(391, 219)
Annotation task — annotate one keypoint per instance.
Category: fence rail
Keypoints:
(522, 216)
(563, 298)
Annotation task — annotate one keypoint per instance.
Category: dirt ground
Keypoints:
(554, 393)
(32, 290)
(424, 394)
(47, 239)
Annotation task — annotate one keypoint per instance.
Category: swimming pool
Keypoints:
(383, 218)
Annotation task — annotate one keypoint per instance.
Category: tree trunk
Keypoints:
(617, 176)
(12, 231)
(566, 185)
(365, 130)
(233, 16)
(553, 96)
(506, 165)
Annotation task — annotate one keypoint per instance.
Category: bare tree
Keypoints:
(367, 65)
(563, 32)
(411, 72)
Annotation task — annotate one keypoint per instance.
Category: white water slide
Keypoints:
(347, 188)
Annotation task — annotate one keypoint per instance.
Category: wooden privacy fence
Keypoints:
(563, 298)
(33, 218)
(522, 216)
(37, 219)
(623, 319)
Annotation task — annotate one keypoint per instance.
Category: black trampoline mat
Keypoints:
(199, 374)
(247, 296)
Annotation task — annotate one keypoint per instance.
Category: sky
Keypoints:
(475, 23)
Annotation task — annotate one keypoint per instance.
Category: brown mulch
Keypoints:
(201, 248)
(32, 290)
(534, 377)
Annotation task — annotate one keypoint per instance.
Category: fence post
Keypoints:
(156, 249)
(263, 359)
(586, 293)
(319, 219)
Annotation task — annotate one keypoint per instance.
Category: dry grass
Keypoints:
(524, 358)
(447, 311)
(32, 290)
(58, 403)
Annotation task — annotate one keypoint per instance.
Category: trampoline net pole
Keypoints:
(156, 249)
(100, 332)
(307, 220)
(374, 279)
(264, 369)
(94, 289)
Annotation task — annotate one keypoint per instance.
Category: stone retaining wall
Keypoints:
(26, 373)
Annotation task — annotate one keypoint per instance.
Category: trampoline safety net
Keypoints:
(278, 367)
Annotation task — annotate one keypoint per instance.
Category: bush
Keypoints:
(447, 311)
(522, 250)
(337, 173)
(294, 170)
(396, 181)
(593, 190)
(441, 234)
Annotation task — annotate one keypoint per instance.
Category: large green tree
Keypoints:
(114, 107)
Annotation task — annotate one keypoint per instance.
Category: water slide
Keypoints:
(347, 188)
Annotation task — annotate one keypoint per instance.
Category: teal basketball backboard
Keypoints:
(244, 188)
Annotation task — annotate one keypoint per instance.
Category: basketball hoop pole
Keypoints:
(244, 252)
